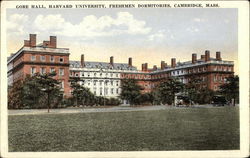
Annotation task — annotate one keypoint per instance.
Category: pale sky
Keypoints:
(146, 35)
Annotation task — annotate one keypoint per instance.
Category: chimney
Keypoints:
(155, 68)
(146, 66)
(32, 40)
(173, 62)
(207, 55)
(194, 58)
(52, 41)
(218, 57)
(142, 67)
(26, 43)
(162, 65)
(203, 57)
(82, 60)
(111, 61)
(130, 61)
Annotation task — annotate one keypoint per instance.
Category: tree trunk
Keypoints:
(48, 101)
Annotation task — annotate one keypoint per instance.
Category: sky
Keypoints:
(147, 34)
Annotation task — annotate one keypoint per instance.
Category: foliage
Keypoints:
(81, 94)
(168, 89)
(231, 88)
(130, 91)
(37, 91)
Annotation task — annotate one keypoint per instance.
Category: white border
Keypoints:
(243, 57)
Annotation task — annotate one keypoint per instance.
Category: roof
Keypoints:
(102, 65)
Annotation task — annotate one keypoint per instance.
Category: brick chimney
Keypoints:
(32, 40)
(146, 66)
(111, 61)
(194, 58)
(142, 67)
(218, 56)
(207, 55)
(155, 68)
(26, 43)
(203, 57)
(130, 61)
(52, 41)
(82, 60)
(162, 65)
(173, 62)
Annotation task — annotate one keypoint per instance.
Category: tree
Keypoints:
(15, 95)
(49, 85)
(231, 88)
(193, 88)
(130, 91)
(37, 91)
(80, 93)
(168, 89)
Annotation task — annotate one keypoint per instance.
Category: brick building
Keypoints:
(211, 71)
(40, 58)
(104, 78)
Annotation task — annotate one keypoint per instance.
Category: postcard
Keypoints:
(124, 79)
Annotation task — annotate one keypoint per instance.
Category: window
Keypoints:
(61, 72)
(106, 91)
(52, 58)
(88, 74)
(82, 73)
(111, 82)
(62, 84)
(117, 75)
(32, 70)
(76, 74)
(111, 74)
(106, 74)
(117, 83)
(95, 74)
(88, 82)
(42, 70)
(95, 83)
(101, 74)
(95, 91)
(117, 90)
(112, 90)
(215, 78)
(61, 59)
(42, 58)
(106, 83)
(33, 58)
(100, 83)
(100, 91)
(52, 70)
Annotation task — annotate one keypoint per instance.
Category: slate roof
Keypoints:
(102, 65)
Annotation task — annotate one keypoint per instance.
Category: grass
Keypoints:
(171, 129)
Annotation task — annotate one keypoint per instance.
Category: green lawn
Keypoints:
(171, 129)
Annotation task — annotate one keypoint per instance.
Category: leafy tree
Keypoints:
(168, 89)
(204, 96)
(37, 91)
(193, 89)
(15, 95)
(50, 86)
(130, 91)
(231, 88)
(80, 93)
